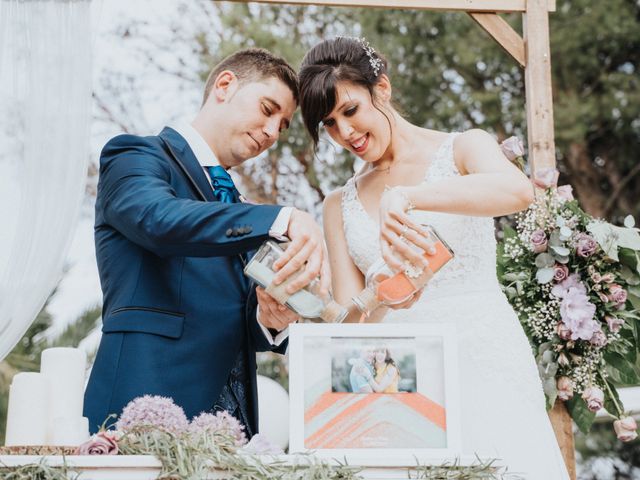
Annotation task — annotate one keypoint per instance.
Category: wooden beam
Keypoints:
(447, 5)
(502, 32)
(539, 101)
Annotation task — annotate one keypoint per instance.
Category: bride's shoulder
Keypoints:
(333, 200)
(470, 143)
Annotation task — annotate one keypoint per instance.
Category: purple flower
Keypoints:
(577, 313)
(614, 323)
(594, 398)
(585, 245)
(512, 148)
(546, 178)
(102, 443)
(539, 241)
(153, 411)
(565, 388)
(221, 422)
(598, 339)
(617, 294)
(560, 272)
(625, 429)
(573, 281)
(565, 192)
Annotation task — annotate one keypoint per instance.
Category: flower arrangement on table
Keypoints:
(153, 425)
(575, 283)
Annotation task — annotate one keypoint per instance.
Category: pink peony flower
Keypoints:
(565, 388)
(598, 339)
(261, 445)
(617, 294)
(585, 244)
(577, 314)
(546, 178)
(539, 241)
(153, 411)
(512, 148)
(560, 272)
(594, 398)
(221, 422)
(565, 192)
(102, 443)
(626, 429)
(614, 323)
(573, 281)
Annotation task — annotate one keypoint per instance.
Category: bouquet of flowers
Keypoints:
(575, 283)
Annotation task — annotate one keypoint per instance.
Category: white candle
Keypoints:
(27, 412)
(64, 369)
(69, 432)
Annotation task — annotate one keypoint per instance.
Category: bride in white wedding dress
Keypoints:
(457, 182)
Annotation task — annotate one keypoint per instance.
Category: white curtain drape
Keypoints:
(45, 113)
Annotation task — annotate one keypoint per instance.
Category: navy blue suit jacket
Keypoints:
(177, 307)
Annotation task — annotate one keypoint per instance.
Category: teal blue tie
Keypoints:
(223, 187)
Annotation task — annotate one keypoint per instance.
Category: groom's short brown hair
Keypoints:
(255, 64)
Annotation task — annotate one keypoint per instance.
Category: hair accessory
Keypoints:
(375, 62)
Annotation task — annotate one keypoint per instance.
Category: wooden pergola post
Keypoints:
(532, 52)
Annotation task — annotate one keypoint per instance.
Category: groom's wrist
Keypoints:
(280, 226)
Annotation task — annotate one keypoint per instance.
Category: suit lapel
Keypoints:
(186, 160)
(188, 163)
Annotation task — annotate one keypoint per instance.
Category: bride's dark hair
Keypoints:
(341, 59)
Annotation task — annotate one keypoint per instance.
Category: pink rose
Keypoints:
(615, 323)
(594, 398)
(586, 245)
(596, 277)
(617, 294)
(626, 429)
(546, 178)
(563, 360)
(565, 192)
(603, 297)
(608, 278)
(598, 339)
(512, 148)
(102, 443)
(560, 272)
(565, 388)
(563, 331)
(539, 241)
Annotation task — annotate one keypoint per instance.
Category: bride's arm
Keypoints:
(347, 281)
(489, 185)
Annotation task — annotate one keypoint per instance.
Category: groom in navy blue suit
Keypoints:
(172, 235)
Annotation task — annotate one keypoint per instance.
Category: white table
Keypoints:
(146, 467)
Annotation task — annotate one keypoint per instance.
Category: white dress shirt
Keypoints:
(278, 230)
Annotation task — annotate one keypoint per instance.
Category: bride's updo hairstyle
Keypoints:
(341, 59)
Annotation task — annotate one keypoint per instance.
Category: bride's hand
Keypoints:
(400, 234)
(408, 303)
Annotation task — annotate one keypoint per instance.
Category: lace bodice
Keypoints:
(471, 238)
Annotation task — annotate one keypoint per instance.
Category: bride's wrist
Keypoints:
(404, 192)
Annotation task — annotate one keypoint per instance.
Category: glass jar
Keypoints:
(307, 303)
(385, 287)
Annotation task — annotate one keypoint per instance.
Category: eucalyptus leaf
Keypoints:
(544, 275)
(544, 260)
(562, 251)
(561, 259)
(560, 221)
(565, 233)
(555, 240)
(629, 221)
(605, 236)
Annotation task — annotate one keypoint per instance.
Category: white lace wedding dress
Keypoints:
(502, 402)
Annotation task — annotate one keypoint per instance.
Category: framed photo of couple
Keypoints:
(374, 394)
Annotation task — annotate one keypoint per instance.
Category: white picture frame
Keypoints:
(366, 428)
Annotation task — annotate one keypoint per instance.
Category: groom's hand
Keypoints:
(306, 253)
(272, 314)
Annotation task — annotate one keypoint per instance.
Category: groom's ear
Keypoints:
(225, 85)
